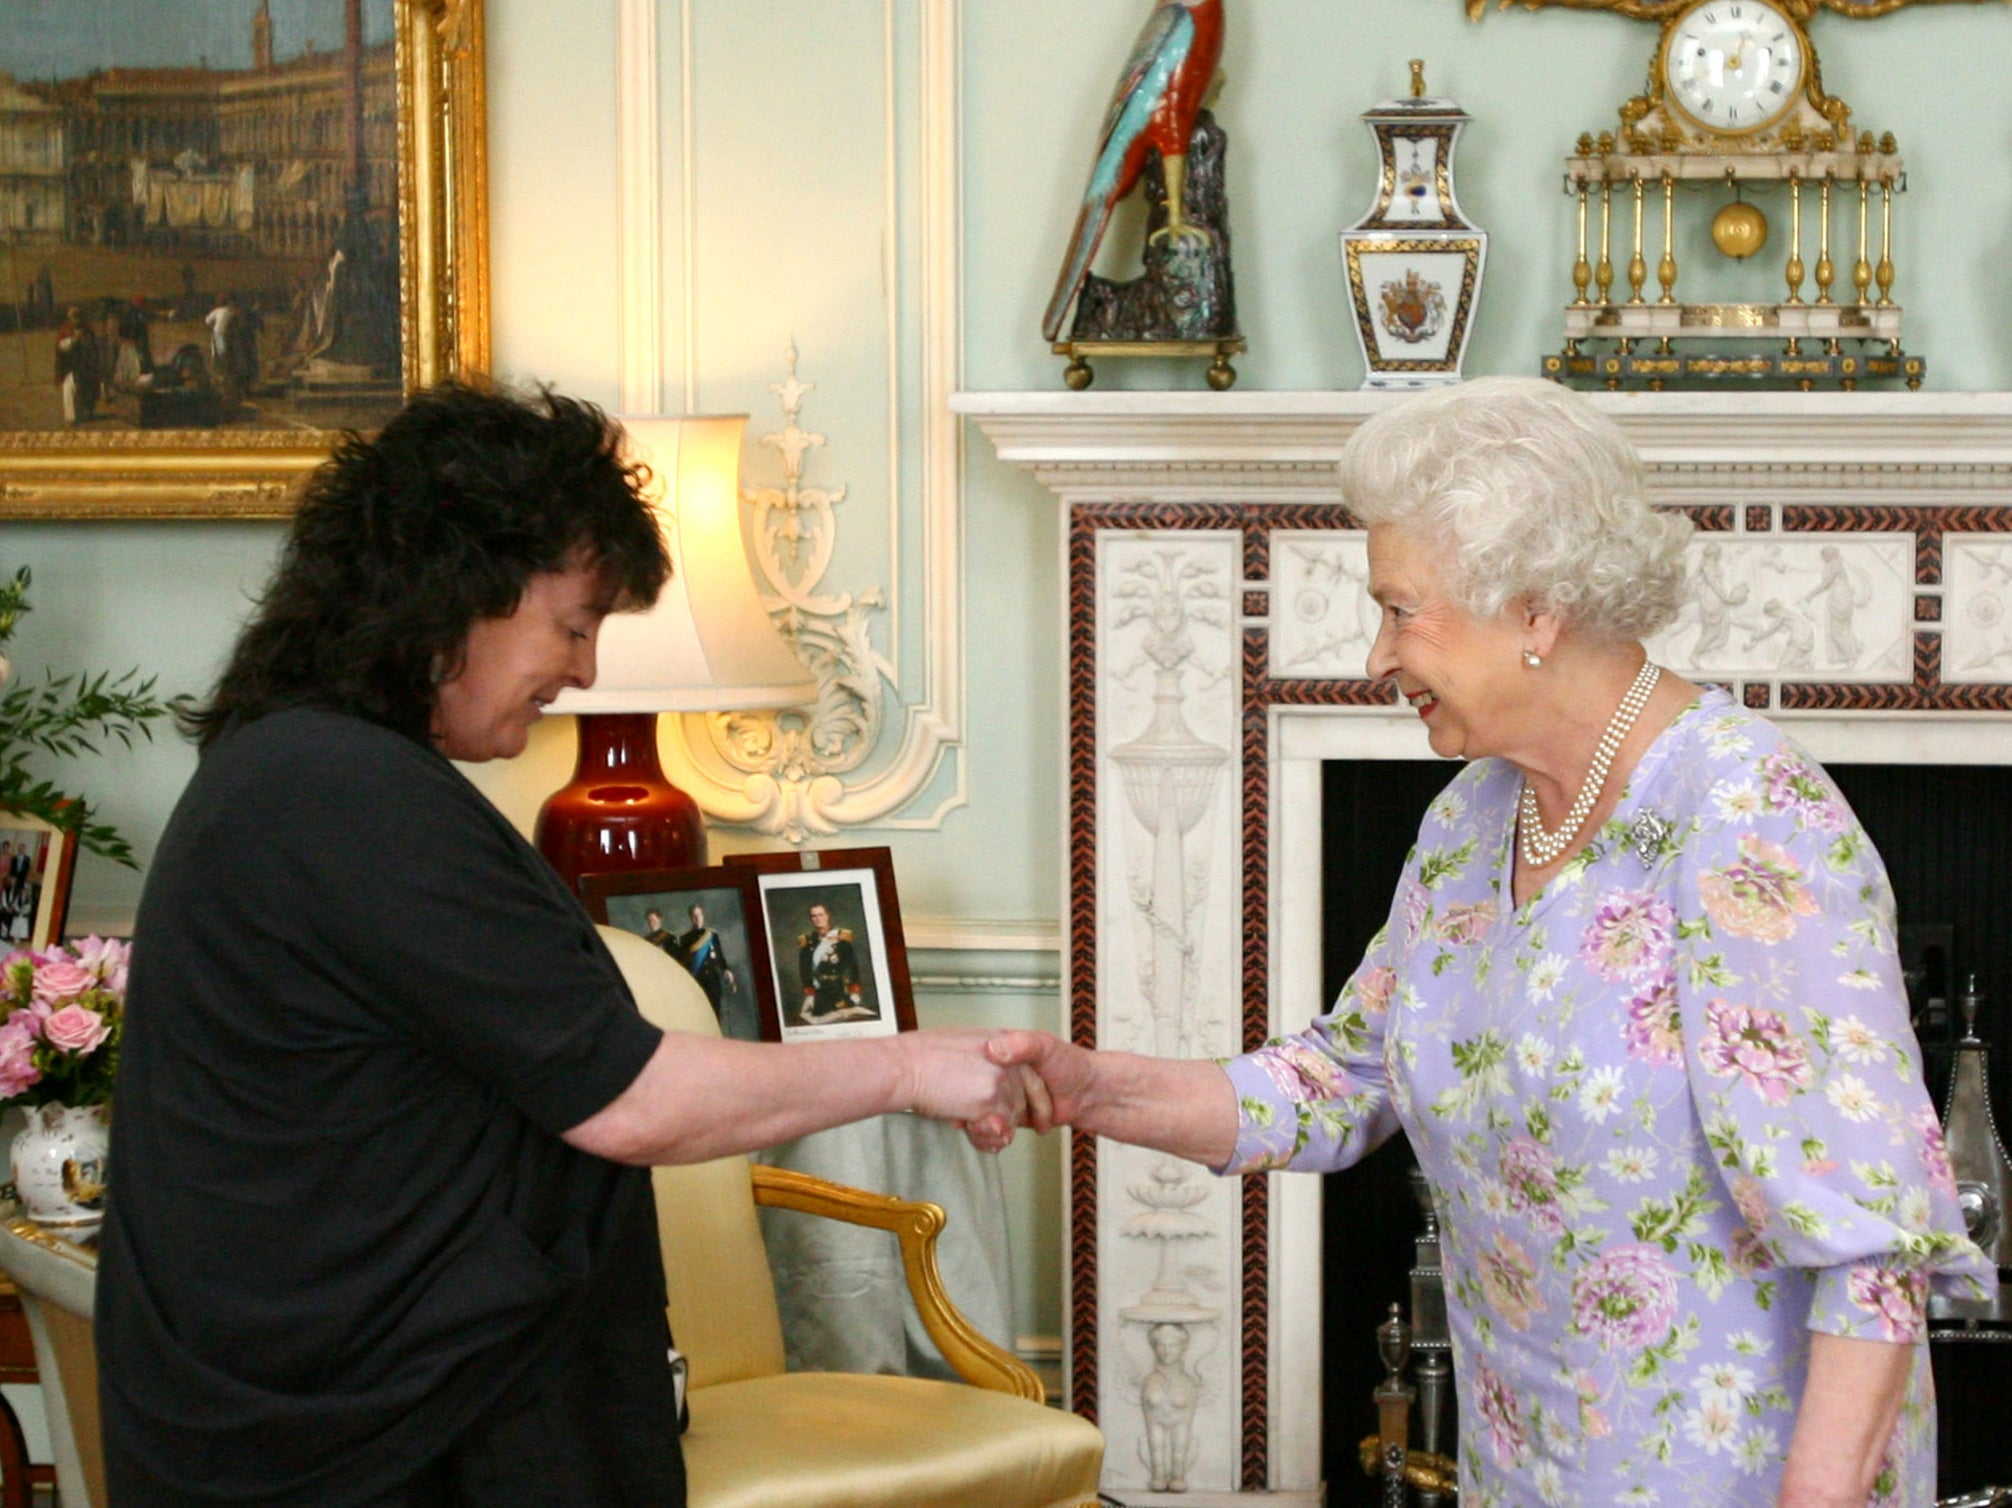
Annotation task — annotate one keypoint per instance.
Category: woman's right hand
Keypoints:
(950, 1076)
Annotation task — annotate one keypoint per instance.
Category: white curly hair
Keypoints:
(1528, 491)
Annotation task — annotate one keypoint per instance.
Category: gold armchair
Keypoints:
(765, 1437)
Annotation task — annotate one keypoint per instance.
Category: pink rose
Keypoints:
(75, 1028)
(60, 977)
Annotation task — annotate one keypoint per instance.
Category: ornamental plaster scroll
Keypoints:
(793, 763)
(801, 773)
(1168, 719)
(1836, 607)
(1977, 637)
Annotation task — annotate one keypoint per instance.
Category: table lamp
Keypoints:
(707, 646)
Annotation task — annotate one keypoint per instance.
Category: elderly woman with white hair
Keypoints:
(1637, 1006)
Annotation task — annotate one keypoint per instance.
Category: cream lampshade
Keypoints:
(708, 645)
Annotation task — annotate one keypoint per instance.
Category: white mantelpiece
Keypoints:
(1862, 548)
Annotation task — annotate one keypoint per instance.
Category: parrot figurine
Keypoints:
(1165, 82)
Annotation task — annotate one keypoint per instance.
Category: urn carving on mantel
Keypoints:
(1414, 263)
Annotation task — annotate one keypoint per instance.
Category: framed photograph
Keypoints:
(35, 865)
(701, 918)
(229, 231)
(838, 961)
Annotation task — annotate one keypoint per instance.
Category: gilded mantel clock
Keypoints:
(1734, 116)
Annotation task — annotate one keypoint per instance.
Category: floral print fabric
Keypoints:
(1672, 1116)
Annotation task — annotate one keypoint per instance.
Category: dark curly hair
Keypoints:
(403, 539)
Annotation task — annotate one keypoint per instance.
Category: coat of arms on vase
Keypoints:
(1414, 264)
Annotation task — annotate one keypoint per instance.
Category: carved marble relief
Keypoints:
(1171, 1332)
(1322, 621)
(1169, 661)
(1977, 635)
(1168, 901)
(1836, 607)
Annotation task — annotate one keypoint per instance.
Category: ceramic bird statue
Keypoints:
(1165, 82)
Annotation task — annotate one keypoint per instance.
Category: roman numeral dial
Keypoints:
(1731, 67)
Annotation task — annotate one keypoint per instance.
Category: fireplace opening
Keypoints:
(1945, 834)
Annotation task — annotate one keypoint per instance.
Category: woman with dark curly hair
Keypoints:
(383, 1232)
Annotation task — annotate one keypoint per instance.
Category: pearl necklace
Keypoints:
(1540, 845)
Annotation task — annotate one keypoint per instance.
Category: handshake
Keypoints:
(992, 1083)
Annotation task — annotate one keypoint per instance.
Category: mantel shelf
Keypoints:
(1057, 433)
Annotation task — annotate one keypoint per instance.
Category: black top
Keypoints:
(343, 1231)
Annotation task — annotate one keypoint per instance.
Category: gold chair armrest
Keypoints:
(916, 1224)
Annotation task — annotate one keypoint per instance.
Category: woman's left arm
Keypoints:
(1850, 1404)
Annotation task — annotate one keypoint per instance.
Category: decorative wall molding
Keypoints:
(1913, 495)
(638, 243)
(904, 768)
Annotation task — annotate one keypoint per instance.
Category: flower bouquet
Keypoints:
(61, 1014)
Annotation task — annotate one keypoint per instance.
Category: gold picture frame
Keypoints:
(37, 863)
(442, 274)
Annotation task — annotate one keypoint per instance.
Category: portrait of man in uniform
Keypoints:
(836, 958)
(829, 983)
(703, 952)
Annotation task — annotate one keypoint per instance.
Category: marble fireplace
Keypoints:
(1853, 573)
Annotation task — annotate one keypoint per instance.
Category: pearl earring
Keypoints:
(1532, 659)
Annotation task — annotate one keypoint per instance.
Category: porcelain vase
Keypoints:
(1414, 263)
(59, 1164)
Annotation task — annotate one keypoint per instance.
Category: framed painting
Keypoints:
(701, 918)
(229, 231)
(832, 924)
(36, 860)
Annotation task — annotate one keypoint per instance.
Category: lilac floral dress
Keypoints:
(1672, 1116)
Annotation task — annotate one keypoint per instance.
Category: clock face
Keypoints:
(1733, 66)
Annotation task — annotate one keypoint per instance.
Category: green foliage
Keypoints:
(63, 717)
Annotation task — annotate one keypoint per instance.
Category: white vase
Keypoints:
(1413, 262)
(59, 1164)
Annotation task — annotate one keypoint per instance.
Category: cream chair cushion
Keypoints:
(764, 1437)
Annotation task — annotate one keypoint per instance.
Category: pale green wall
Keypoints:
(787, 182)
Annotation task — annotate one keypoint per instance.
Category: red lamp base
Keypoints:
(619, 813)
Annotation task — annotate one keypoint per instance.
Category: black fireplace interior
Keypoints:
(1945, 833)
